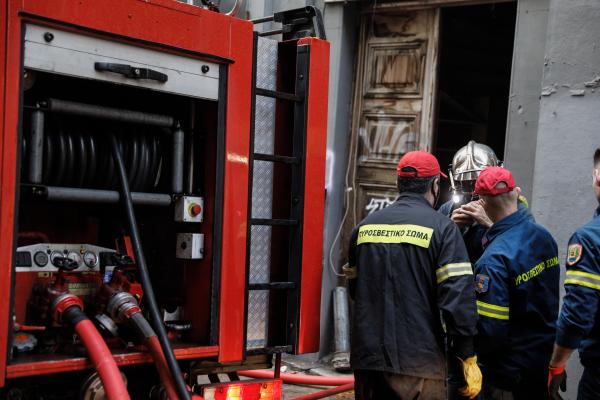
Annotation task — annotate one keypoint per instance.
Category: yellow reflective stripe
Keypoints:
(582, 283)
(584, 279)
(587, 274)
(349, 272)
(492, 311)
(492, 315)
(492, 306)
(411, 234)
(456, 269)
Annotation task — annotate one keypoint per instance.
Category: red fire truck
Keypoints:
(162, 169)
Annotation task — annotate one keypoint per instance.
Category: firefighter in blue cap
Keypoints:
(517, 289)
(579, 322)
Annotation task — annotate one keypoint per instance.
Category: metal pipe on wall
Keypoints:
(178, 148)
(341, 358)
(36, 146)
(117, 114)
(191, 167)
(104, 196)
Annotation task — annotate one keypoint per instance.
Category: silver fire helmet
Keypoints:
(468, 163)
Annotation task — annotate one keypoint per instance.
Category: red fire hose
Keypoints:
(102, 359)
(155, 351)
(328, 392)
(300, 379)
(34, 235)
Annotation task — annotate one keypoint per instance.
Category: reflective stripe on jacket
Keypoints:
(579, 322)
(410, 262)
(517, 285)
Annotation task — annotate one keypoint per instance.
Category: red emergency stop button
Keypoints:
(194, 209)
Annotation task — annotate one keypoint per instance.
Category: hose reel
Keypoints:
(67, 152)
(76, 154)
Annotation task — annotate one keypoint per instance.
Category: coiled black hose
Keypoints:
(77, 154)
(155, 317)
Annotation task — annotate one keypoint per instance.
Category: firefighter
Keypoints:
(467, 164)
(517, 286)
(406, 264)
(579, 322)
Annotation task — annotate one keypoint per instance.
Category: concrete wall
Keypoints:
(569, 129)
(525, 87)
(341, 29)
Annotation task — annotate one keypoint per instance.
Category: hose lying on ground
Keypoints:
(328, 392)
(300, 379)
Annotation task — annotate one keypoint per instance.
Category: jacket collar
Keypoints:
(411, 196)
(501, 226)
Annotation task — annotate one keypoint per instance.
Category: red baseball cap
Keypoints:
(425, 164)
(490, 177)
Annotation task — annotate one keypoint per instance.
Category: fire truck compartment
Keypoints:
(72, 54)
(161, 201)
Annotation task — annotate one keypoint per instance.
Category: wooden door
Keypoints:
(393, 110)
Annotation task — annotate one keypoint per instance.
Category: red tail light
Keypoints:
(268, 389)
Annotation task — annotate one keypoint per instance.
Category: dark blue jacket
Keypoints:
(474, 234)
(579, 322)
(517, 285)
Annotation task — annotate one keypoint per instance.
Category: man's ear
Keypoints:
(436, 185)
(597, 176)
(518, 189)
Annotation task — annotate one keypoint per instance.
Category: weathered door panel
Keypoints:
(393, 105)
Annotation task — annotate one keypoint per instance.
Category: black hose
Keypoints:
(76, 154)
(155, 317)
(179, 327)
(73, 316)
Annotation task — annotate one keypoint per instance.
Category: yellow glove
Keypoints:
(473, 378)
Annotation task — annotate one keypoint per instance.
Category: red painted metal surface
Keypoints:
(165, 22)
(54, 363)
(197, 284)
(314, 197)
(11, 45)
(235, 203)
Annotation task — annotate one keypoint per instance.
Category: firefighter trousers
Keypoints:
(374, 385)
(589, 385)
(496, 387)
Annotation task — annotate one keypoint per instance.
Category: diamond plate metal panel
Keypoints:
(262, 195)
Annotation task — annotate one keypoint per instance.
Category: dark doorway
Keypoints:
(474, 79)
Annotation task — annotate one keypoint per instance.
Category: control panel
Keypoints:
(40, 257)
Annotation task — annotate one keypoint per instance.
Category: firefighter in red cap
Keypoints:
(517, 288)
(407, 263)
